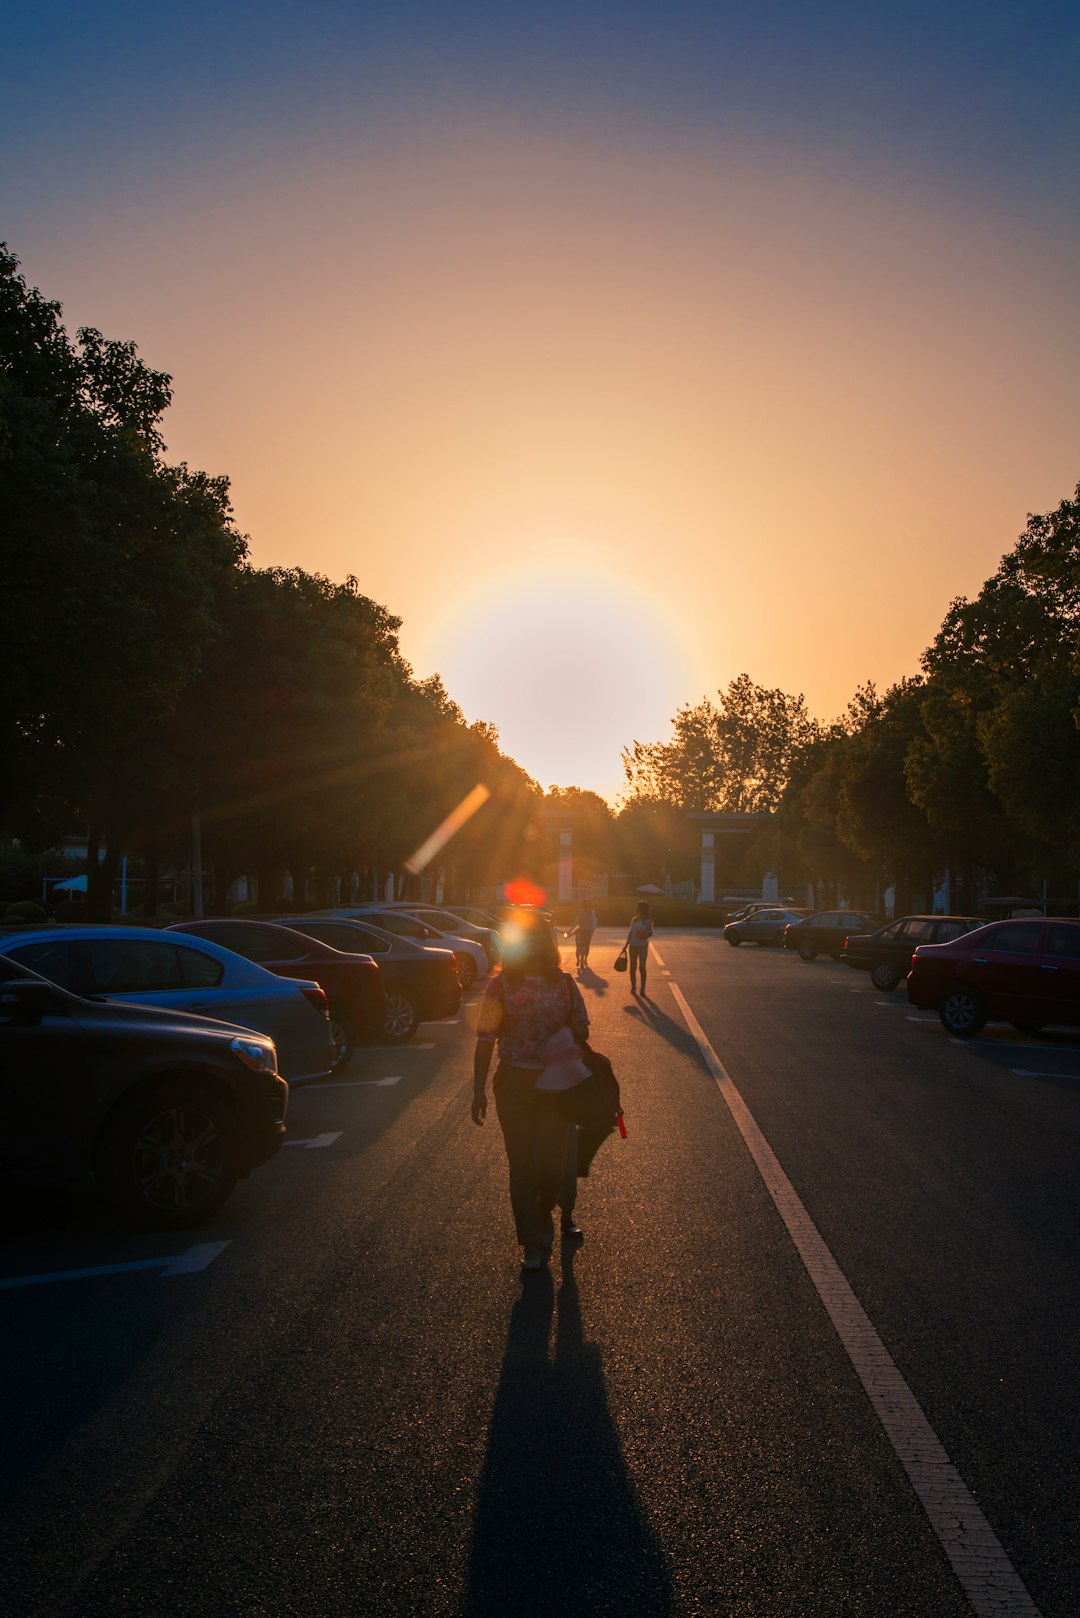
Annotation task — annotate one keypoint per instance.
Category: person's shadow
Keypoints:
(588, 975)
(558, 1528)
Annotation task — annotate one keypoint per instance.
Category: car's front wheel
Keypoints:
(402, 1020)
(962, 1012)
(807, 952)
(165, 1158)
(885, 975)
(466, 971)
(733, 939)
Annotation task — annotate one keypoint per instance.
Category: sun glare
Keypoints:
(571, 664)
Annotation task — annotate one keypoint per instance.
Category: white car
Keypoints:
(471, 957)
(145, 967)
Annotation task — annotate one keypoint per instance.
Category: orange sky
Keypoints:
(787, 407)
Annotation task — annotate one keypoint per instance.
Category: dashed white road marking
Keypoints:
(989, 1580)
(316, 1141)
(186, 1263)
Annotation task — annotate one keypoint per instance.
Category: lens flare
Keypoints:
(470, 803)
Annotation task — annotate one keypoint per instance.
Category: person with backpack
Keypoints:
(535, 1013)
(637, 943)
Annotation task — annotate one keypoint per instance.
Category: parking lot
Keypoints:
(343, 1364)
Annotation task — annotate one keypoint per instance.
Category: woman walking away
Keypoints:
(583, 930)
(637, 942)
(535, 1012)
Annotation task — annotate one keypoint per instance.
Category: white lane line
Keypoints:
(187, 1263)
(1041, 1073)
(428, 1045)
(317, 1140)
(978, 1559)
(997, 1044)
(350, 1084)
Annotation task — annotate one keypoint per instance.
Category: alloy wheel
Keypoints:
(178, 1158)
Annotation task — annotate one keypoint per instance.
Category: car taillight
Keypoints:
(318, 999)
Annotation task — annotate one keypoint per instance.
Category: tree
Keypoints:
(732, 757)
(113, 564)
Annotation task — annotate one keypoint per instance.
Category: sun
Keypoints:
(572, 664)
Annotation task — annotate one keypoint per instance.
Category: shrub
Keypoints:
(174, 908)
(26, 910)
(246, 907)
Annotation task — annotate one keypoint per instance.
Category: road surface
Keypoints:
(816, 1355)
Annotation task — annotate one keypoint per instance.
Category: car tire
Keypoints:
(885, 975)
(165, 1160)
(466, 974)
(342, 1035)
(807, 952)
(402, 1019)
(733, 939)
(962, 1012)
(1026, 1025)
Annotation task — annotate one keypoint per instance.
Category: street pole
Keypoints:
(196, 864)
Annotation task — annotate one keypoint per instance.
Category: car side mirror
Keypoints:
(26, 1000)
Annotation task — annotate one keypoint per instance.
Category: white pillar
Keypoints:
(566, 866)
(708, 867)
(770, 888)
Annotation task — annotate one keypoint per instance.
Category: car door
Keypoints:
(1060, 972)
(156, 971)
(1005, 967)
(43, 1064)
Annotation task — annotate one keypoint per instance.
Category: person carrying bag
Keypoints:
(536, 1013)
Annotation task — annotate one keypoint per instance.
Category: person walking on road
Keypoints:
(583, 930)
(637, 943)
(535, 1013)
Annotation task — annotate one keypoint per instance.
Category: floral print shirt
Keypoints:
(523, 1016)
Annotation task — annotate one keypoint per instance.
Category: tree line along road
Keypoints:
(815, 1356)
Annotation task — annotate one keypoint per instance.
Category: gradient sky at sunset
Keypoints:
(617, 348)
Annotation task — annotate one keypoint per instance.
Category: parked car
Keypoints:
(164, 969)
(351, 981)
(420, 981)
(751, 909)
(472, 960)
(453, 925)
(886, 954)
(1023, 972)
(823, 932)
(764, 926)
(478, 916)
(165, 1110)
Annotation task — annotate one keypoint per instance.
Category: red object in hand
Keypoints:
(622, 1126)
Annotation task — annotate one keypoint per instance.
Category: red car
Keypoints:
(352, 983)
(1026, 972)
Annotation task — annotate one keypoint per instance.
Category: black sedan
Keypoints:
(886, 954)
(164, 1109)
(824, 932)
(420, 981)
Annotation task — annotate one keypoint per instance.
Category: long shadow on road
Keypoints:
(558, 1527)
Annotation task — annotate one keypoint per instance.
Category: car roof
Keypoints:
(133, 935)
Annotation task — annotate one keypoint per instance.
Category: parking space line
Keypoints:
(978, 1559)
(316, 1141)
(349, 1084)
(428, 1045)
(187, 1263)
(1041, 1073)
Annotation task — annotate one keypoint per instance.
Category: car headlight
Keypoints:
(258, 1054)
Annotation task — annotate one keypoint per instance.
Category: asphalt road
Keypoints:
(351, 1403)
